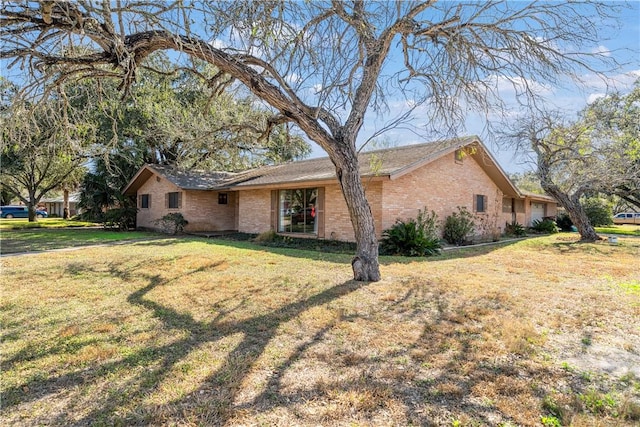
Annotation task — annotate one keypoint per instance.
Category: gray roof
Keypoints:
(192, 179)
(385, 162)
(389, 162)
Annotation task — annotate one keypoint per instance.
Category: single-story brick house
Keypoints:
(304, 198)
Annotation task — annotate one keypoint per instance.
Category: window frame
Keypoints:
(480, 201)
(174, 200)
(145, 198)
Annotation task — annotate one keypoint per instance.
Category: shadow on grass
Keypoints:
(214, 402)
(315, 251)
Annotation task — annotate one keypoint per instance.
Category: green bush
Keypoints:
(515, 229)
(120, 218)
(563, 222)
(546, 226)
(458, 227)
(414, 237)
(173, 223)
(598, 211)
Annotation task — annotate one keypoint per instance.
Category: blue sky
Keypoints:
(622, 43)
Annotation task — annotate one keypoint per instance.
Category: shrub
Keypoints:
(515, 229)
(414, 237)
(458, 226)
(546, 226)
(564, 222)
(172, 223)
(120, 218)
(265, 237)
(598, 211)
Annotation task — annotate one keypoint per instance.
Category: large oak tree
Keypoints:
(323, 64)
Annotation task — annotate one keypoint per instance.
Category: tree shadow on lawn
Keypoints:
(448, 334)
(338, 258)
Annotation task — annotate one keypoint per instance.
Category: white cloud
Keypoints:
(316, 89)
(217, 43)
(293, 78)
(594, 97)
(602, 50)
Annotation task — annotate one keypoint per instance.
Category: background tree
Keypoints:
(527, 181)
(322, 65)
(598, 153)
(598, 211)
(43, 147)
(175, 116)
(614, 121)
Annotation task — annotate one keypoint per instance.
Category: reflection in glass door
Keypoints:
(297, 211)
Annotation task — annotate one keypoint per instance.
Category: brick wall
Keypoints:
(204, 213)
(156, 187)
(441, 186)
(338, 222)
(200, 208)
(254, 211)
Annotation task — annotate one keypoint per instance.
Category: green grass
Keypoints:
(191, 331)
(628, 230)
(19, 223)
(40, 239)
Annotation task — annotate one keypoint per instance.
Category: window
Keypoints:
(507, 205)
(297, 211)
(145, 201)
(223, 199)
(174, 200)
(480, 203)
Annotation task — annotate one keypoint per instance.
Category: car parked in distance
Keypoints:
(20, 212)
(627, 218)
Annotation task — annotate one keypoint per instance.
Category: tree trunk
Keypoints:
(576, 213)
(365, 263)
(32, 212)
(31, 206)
(65, 204)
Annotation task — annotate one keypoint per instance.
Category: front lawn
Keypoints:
(210, 332)
(21, 223)
(40, 239)
(627, 229)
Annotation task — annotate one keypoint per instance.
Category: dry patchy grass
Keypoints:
(190, 332)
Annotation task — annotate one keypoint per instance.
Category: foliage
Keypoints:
(175, 116)
(527, 181)
(546, 226)
(515, 229)
(598, 211)
(614, 125)
(563, 221)
(550, 421)
(173, 223)
(43, 145)
(413, 237)
(266, 237)
(458, 227)
(597, 402)
(597, 153)
(122, 218)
